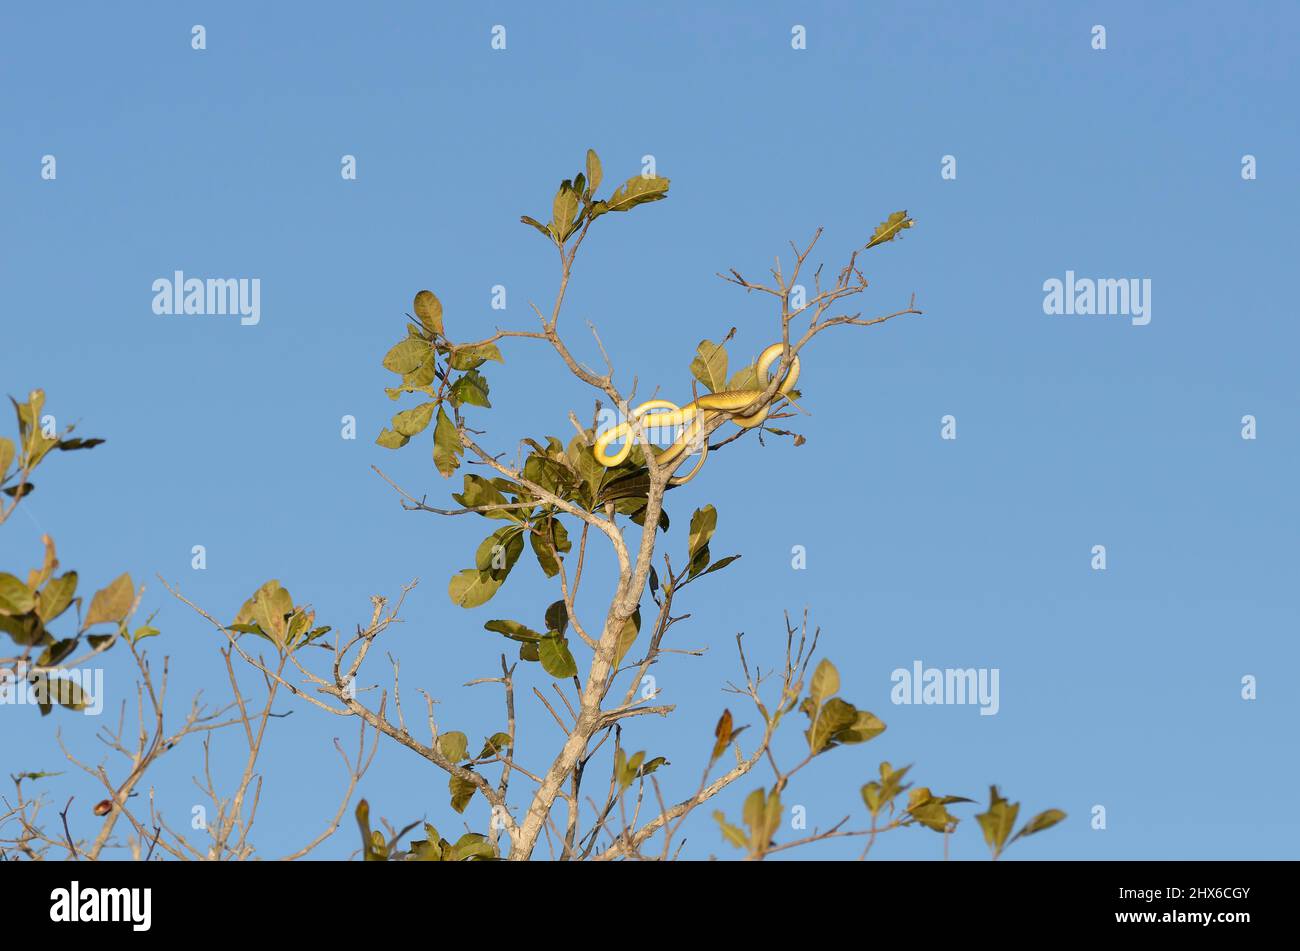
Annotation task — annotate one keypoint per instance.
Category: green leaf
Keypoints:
(626, 770)
(469, 357)
(556, 657)
(429, 849)
(56, 652)
(593, 171)
(414, 421)
(538, 225)
(71, 445)
(495, 744)
(391, 440)
(773, 817)
(698, 561)
(548, 473)
(719, 564)
(1044, 820)
(710, 366)
(627, 636)
(558, 537)
(6, 455)
(880, 794)
(634, 485)
(25, 629)
(825, 683)
(70, 695)
(472, 846)
(867, 726)
(479, 492)
(272, 605)
(563, 211)
(15, 597)
(529, 652)
(420, 378)
(55, 597)
(499, 551)
(462, 791)
(550, 565)
(704, 522)
(429, 310)
(111, 604)
(144, 631)
(762, 816)
(33, 776)
(620, 768)
(472, 388)
(998, 821)
(584, 463)
(453, 745)
(746, 378)
(446, 444)
(637, 190)
(471, 587)
(834, 716)
(557, 617)
(406, 355)
(930, 810)
(890, 228)
(513, 630)
(368, 851)
(732, 834)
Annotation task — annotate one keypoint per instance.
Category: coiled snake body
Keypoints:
(700, 413)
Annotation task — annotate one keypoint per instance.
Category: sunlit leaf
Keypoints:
(446, 444)
(563, 211)
(472, 389)
(462, 791)
(627, 636)
(538, 225)
(513, 630)
(733, 834)
(704, 521)
(406, 355)
(835, 715)
(825, 682)
(556, 658)
(453, 745)
(494, 745)
(1044, 820)
(414, 421)
(890, 228)
(429, 310)
(15, 597)
(55, 597)
(710, 366)
(637, 191)
(469, 357)
(391, 440)
(471, 587)
(111, 604)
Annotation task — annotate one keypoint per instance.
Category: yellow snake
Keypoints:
(700, 413)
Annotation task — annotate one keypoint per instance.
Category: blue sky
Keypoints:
(1119, 688)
